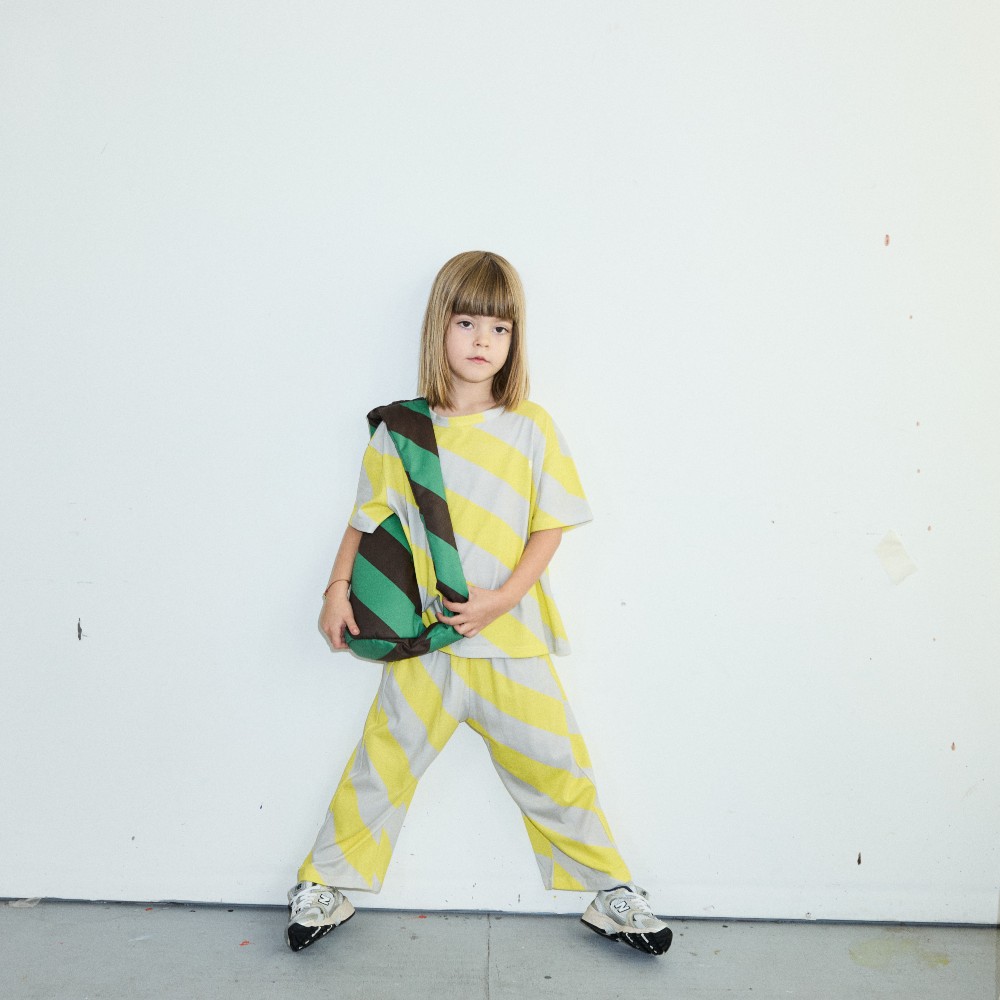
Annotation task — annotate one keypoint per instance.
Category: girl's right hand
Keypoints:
(336, 616)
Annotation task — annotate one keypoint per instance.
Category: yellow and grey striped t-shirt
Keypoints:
(506, 473)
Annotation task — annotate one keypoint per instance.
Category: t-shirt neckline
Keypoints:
(466, 418)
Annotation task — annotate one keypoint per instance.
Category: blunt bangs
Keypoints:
(486, 290)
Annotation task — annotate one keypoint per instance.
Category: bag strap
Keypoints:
(410, 426)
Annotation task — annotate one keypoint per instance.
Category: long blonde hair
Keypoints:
(477, 283)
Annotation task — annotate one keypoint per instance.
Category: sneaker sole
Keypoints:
(652, 942)
(299, 936)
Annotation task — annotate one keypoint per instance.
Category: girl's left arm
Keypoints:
(485, 606)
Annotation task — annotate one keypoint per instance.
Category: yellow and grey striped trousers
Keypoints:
(519, 708)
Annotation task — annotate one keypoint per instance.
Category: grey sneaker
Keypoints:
(313, 911)
(623, 914)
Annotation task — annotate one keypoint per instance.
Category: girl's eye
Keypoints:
(465, 324)
(501, 330)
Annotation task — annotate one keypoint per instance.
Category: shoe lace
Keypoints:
(637, 898)
(308, 895)
(638, 901)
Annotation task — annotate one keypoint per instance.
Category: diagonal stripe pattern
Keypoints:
(506, 474)
(520, 710)
(385, 595)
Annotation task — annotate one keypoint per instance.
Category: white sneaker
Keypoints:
(313, 911)
(623, 914)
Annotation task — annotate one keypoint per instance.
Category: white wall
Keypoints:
(760, 243)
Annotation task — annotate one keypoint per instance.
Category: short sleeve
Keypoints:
(560, 501)
(371, 506)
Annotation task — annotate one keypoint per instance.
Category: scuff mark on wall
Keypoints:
(894, 558)
(79, 629)
(972, 789)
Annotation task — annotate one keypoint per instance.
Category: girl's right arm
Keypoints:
(337, 614)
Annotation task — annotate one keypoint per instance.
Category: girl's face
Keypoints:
(477, 347)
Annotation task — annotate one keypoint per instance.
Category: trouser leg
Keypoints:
(413, 716)
(521, 711)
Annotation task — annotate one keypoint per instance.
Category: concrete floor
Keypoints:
(104, 951)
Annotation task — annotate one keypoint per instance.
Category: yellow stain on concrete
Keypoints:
(884, 952)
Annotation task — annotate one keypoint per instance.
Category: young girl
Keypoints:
(512, 489)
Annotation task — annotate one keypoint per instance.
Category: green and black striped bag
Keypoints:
(385, 596)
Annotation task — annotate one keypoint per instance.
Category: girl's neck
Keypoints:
(465, 403)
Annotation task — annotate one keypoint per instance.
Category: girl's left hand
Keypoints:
(472, 616)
